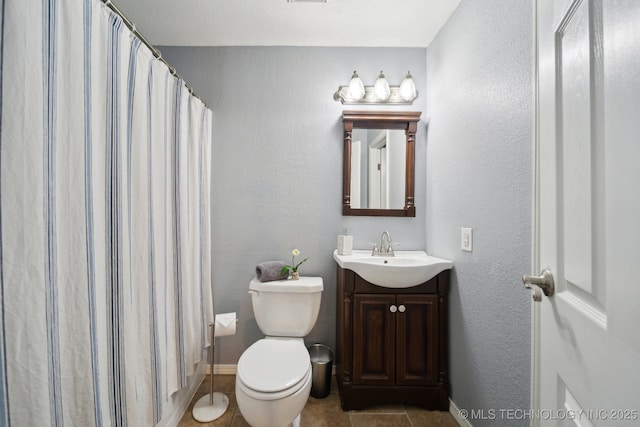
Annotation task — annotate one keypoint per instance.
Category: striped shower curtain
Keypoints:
(105, 282)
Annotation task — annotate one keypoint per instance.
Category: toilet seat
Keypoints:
(274, 368)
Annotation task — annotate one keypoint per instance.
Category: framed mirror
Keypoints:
(379, 163)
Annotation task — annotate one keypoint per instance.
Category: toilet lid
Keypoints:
(273, 365)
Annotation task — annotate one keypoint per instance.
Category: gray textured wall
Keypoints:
(479, 108)
(277, 165)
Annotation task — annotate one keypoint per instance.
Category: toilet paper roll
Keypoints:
(225, 324)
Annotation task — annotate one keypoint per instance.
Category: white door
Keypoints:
(586, 361)
(356, 178)
(384, 178)
(375, 178)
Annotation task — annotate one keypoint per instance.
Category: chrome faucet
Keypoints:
(386, 248)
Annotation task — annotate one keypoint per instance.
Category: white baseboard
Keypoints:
(455, 412)
(223, 369)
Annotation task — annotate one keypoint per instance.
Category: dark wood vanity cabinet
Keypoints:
(391, 343)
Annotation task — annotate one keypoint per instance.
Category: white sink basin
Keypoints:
(406, 269)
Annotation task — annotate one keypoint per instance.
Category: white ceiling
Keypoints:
(366, 23)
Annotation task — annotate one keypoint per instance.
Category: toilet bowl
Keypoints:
(273, 381)
(273, 378)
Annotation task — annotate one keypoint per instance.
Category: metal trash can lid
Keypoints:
(320, 354)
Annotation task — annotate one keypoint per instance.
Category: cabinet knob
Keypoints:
(402, 308)
(393, 308)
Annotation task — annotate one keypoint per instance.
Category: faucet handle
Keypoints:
(374, 249)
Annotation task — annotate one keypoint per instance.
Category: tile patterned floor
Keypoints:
(324, 412)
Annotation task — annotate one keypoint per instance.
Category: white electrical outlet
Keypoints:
(466, 239)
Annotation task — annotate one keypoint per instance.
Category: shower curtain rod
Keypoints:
(153, 50)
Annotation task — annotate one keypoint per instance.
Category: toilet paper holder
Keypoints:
(217, 402)
(212, 358)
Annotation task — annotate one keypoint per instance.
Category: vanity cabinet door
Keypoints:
(417, 340)
(374, 326)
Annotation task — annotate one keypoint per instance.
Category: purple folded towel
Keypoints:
(270, 270)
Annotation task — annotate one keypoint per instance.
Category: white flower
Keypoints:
(293, 267)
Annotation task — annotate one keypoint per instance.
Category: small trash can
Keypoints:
(321, 365)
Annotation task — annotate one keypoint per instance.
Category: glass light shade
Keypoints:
(408, 88)
(381, 88)
(356, 87)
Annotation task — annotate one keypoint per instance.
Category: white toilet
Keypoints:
(273, 378)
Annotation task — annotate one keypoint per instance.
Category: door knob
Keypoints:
(393, 309)
(540, 284)
(402, 308)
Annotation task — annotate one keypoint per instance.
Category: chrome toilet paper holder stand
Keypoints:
(212, 406)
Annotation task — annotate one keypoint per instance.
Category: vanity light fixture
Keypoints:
(380, 93)
(356, 88)
(381, 88)
(408, 88)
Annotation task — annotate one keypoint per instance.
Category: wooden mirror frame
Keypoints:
(407, 120)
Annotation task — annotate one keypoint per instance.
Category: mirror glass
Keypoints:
(378, 164)
(378, 158)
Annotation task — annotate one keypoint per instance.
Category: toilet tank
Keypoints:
(286, 308)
